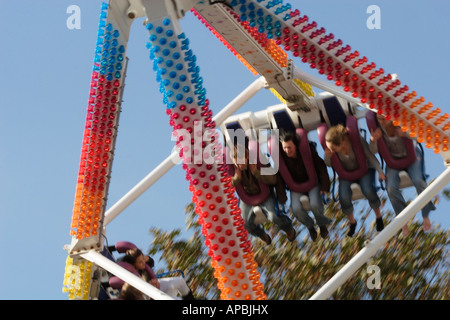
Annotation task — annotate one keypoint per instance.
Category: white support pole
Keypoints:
(140, 188)
(240, 100)
(325, 85)
(372, 247)
(125, 275)
(171, 160)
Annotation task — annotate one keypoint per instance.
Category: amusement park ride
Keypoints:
(259, 33)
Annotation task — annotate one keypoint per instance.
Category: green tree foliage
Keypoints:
(412, 267)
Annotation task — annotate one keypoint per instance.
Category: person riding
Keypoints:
(338, 143)
(295, 163)
(250, 178)
(396, 144)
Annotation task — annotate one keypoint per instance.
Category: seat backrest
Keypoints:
(383, 150)
(332, 111)
(355, 139)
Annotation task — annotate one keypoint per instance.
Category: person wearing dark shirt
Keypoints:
(295, 164)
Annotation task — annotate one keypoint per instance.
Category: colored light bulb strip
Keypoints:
(213, 19)
(262, 53)
(100, 131)
(278, 96)
(269, 45)
(356, 74)
(305, 87)
(225, 42)
(216, 205)
(77, 278)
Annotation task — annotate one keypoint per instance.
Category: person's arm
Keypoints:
(374, 136)
(153, 280)
(264, 178)
(236, 179)
(371, 159)
(322, 172)
(327, 157)
(280, 189)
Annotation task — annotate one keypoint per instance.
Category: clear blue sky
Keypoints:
(45, 71)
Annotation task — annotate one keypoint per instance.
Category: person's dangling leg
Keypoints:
(416, 174)
(302, 215)
(318, 210)
(369, 191)
(345, 200)
(282, 220)
(249, 218)
(394, 194)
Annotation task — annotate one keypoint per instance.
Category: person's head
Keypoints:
(128, 292)
(240, 156)
(289, 142)
(136, 258)
(383, 122)
(336, 138)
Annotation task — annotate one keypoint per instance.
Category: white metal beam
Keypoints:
(372, 247)
(110, 266)
(171, 160)
(325, 85)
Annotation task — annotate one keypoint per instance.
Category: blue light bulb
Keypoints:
(172, 104)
